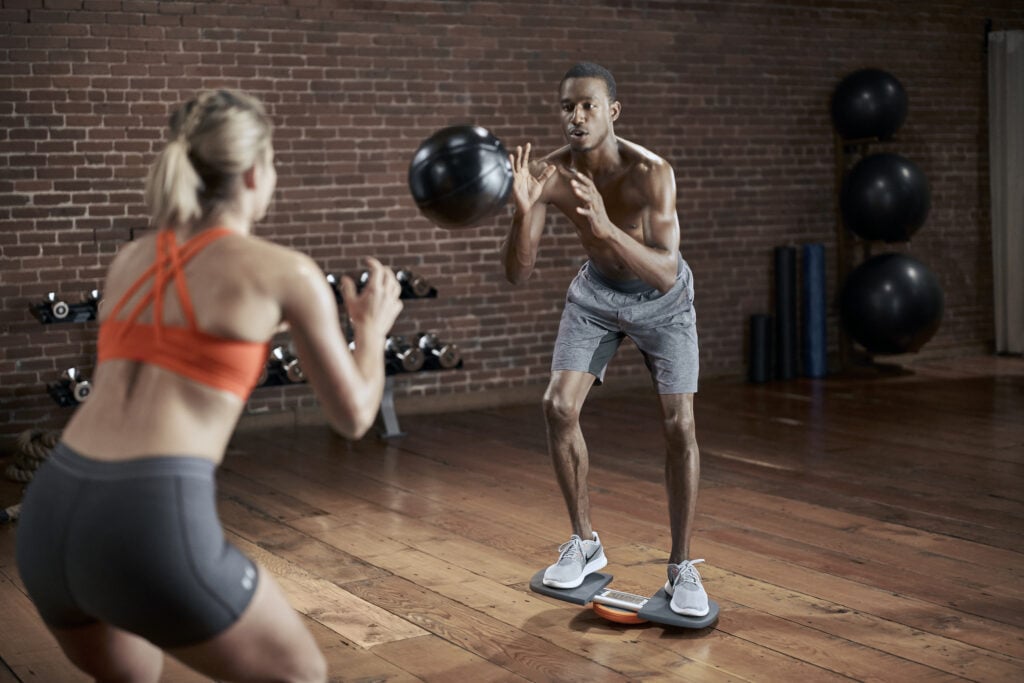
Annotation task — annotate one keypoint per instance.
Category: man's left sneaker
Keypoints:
(688, 595)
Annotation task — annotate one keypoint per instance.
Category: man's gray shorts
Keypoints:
(599, 313)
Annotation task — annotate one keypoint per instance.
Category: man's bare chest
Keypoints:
(624, 211)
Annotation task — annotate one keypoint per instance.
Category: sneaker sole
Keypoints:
(690, 612)
(592, 567)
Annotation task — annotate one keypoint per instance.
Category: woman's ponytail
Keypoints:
(172, 189)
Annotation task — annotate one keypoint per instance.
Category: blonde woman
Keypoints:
(119, 544)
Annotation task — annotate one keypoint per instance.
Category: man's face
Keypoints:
(587, 113)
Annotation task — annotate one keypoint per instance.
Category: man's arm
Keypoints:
(655, 259)
(519, 250)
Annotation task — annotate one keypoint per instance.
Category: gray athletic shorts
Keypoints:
(136, 544)
(599, 313)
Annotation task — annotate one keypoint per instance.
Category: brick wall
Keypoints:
(735, 95)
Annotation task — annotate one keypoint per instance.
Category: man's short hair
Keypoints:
(591, 70)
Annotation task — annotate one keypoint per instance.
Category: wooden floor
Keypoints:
(858, 528)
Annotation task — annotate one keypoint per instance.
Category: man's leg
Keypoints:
(582, 554)
(682, 479)
(682, 470)
(563, 402)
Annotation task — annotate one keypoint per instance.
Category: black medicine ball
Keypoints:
(460, 176)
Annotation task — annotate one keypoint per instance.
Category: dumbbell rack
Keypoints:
(276, 372)
(279, 370)
(76, 312)
(71, 389)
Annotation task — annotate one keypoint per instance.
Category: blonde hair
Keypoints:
(214, 139)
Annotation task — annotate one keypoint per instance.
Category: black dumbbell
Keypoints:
(59, 309)
(346, 324)
(403, 356)
(79, 386)
(362, 280)
(293, 371)
(335, 284)
(412, 284)
(438, 353)
(288, 364)
(278, 356)
(92, 300)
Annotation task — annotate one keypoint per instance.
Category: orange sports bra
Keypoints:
(230, 364)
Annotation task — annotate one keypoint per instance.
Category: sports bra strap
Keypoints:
(169, 263)
(178, 270)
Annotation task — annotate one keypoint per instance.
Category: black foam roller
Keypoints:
(815, 347)
(785, 313)
(760, 369)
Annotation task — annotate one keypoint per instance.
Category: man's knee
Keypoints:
(560, 410)
(680, 428)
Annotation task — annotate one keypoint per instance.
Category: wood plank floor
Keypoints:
(859, 528)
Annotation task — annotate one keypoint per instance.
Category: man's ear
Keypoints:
(249, 178)
(616, 109)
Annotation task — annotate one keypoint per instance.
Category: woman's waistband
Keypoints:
(71, 461)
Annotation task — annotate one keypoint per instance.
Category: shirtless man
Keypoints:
(621, 199)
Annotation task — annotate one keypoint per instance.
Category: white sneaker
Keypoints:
(688, 595)
(577, 558)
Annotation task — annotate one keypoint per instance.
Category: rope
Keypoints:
(10, 514)
(34, 446)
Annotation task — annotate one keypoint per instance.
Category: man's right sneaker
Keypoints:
(577, 558)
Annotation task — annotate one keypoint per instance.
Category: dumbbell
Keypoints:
(278, 356)
(412, 284)
(79, 386)
(293, 370)
(335, 284)
(289, 364)
(58, 308)
(92, 300)
(403, 356)
(346, 324)
(438, 353)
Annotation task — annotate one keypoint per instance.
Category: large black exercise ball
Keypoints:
(885, 197)
(891, 303)
(869, 103)
(460, 175)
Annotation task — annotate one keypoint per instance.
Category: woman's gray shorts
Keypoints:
(599, 313)
(136, 544)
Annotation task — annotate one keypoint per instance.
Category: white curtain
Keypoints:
(1006, 159)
